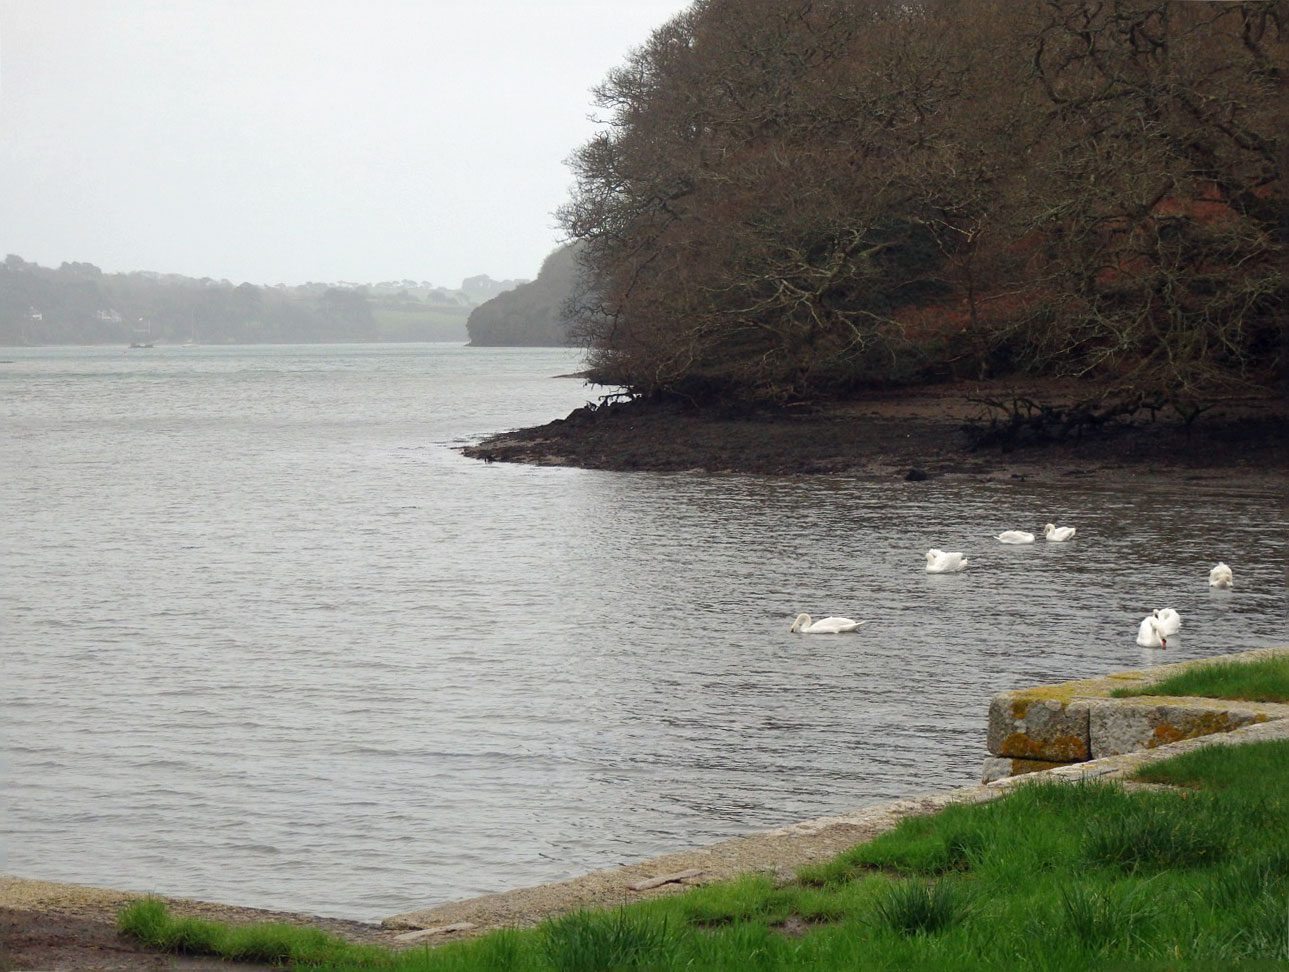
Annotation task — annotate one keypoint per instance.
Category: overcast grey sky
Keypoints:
(283, 141)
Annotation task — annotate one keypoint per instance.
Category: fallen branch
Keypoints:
(662, 879)
(416, 936)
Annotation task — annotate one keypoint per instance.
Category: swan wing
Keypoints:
(832, 625)
(1147, 634)
(946, 562)
(1220, 576)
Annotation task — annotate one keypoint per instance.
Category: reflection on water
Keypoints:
(269, 639)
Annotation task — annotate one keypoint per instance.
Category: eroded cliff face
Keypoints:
(531, 314)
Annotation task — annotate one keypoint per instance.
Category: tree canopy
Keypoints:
(799, 199)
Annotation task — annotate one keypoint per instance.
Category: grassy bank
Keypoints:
(1052, 877)
(1266, 680)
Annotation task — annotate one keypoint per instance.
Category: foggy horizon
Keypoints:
(292, 143)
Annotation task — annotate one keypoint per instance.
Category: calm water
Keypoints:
(269, 639)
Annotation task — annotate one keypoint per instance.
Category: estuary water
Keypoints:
(269, 639)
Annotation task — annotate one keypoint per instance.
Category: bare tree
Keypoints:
(796, 198)
(1163, 192)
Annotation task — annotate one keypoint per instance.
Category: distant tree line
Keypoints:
(800, 199)
(79, 304)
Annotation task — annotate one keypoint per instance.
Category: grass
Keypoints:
(1259, 681)
(1054, 876)
(270, 943)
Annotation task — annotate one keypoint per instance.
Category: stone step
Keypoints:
(1071, 722)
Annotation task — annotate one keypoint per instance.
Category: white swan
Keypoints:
(1058, 534)
(1015, 536)
(1170, 622)
(1221, 577)
(1149, 635)
(940, 562)
(803, 625)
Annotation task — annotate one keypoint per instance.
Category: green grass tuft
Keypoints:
(591, 941)
(1104, 920)
(1266, 680)
(918, 908)
(1257, 771)
(1159, 831)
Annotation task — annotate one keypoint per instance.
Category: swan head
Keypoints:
(1159, 629)
(932, 554)
(802, 621)
(1049, 529)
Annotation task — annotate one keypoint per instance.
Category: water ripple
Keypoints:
(276, 643)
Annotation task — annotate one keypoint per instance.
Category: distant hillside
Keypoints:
(79, 304)
(531, 315)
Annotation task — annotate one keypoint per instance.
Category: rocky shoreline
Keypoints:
(922, 433)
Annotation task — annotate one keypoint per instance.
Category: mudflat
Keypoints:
(919, 433)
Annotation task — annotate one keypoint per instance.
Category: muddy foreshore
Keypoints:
(922, 433)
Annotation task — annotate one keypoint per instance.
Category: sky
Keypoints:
(288, 141)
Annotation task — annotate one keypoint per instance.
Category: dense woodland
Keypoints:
(795, 200)
(79, 304)
(532, 314)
